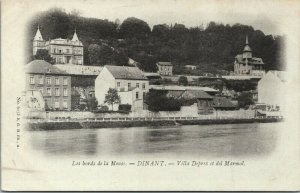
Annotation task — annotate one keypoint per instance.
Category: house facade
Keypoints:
(190, 67)
(53, 84)
(272, 89)
(63, 51)
(130, 82)
(246, 64)
(165, 68)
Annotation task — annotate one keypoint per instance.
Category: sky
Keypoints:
(268, 16)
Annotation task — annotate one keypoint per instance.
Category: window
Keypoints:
(56, 103)
(129, 84)
(65, 81)
(56, 91)
(68, 50)
(31, 79)
(118, 84)
(137, 95)
(48, 91)
(138, 85)
(144, 86)
(65, 92)
(56, 81)
(65, 103)
(48, 80)
(40, 80)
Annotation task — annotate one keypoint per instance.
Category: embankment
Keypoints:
(154, 123)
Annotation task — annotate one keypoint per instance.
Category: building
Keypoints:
(165, 68)
(63, 51)
(53, 83)
(272, 89)
(246, 64)
(190, 67)
(130, 82)
(169, 88)
(203, 100)
(82, 81)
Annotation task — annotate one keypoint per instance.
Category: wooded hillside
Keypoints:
(211, 48)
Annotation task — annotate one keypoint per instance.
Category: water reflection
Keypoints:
(210, 140)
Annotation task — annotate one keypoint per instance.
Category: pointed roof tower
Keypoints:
(38, 35)
(75, 37)
(247, 47)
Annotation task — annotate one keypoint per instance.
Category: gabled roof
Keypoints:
(38, 35)
(125, 72)
(164, 64)
(282, 75)
(80, 69)
(42, 67)
(222, 102)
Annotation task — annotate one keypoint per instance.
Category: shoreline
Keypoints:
(62, 125)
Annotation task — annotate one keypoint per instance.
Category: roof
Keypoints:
(222, 102)
(253, 60)
(38, 35)
(176, 93)
(79, 69)
(75, 37)
(65, 42)
(282, 75)
(164, 63)
(196, 94)
(247, 48)
(42, 67)
(178, 88)
(125, 72)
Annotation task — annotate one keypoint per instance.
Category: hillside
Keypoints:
(212, 48)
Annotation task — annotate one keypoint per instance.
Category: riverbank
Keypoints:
(50, 125)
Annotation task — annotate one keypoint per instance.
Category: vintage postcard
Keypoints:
(152, 95)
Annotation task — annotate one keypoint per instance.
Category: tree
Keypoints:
(147, 63)
(134, 27)
(94, 54)
(183, 80)
(245, 99)
(112, 97)
(43, 54)
(92, 103)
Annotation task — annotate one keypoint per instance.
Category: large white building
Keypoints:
(130, 82)
(63, 51)
(272, 89)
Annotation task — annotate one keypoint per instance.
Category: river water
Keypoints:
(230, 140)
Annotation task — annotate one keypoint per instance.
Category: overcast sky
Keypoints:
(262, 15)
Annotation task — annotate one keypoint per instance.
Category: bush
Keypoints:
(124, 107)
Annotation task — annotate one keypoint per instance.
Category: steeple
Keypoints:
(75, 37)
(38, 35)
(247, 40)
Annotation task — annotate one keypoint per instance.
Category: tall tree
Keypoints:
(134, 28)
(112, 97)
(43, 54)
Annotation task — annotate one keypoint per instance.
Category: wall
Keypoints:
(103, 82)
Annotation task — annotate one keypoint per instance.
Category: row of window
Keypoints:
(56, 92)
(48, 80)
(56, 103)
(136, 85)
(68, 51)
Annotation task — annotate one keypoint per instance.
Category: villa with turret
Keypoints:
(63, 51)
(246, 64)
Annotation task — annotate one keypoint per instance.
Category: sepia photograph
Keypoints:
(115, 91)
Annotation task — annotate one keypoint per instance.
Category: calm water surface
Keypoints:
(190, 140)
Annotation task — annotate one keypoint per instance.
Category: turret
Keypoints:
(38, 41)
(247, 52)
(75, 37)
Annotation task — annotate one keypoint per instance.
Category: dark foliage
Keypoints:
(124, 107)
(158, 101)
(212, 49)
(183, 80)
(245, 99)
(43, 54)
